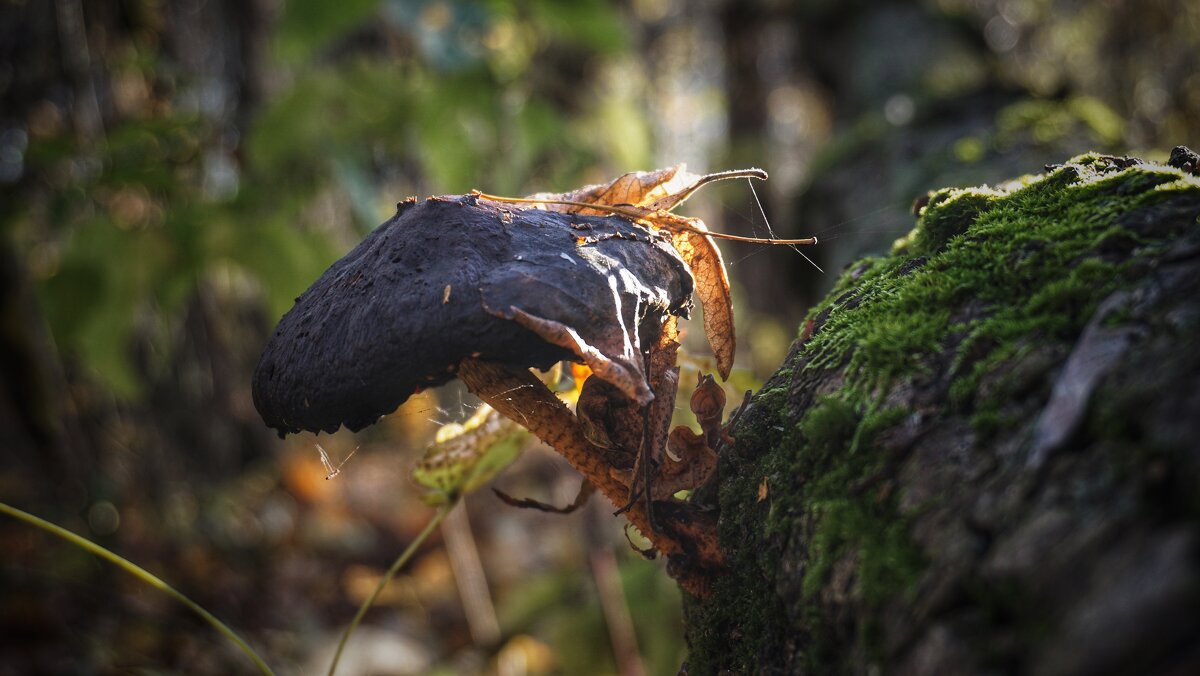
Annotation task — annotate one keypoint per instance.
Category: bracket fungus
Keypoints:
(452, 278)
(484, 288)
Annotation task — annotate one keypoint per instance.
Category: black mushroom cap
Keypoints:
(455, 277)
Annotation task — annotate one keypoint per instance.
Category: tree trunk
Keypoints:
(982, 455)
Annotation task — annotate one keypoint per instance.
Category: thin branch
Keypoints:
(472, 581)
(141, 574)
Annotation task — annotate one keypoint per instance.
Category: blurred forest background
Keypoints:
(174, 173)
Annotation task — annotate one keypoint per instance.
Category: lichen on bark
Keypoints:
(977, 456)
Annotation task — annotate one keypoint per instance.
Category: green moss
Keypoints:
(830, 449)
(948, 214)
(835, 452)
(836, 467)
(982, 249)
(986, 277)
(740, 621)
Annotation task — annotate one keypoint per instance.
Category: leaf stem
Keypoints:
(140, 573)
(387, 577)
(753, 172)
(642, 214)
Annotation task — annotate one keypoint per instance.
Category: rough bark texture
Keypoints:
(981, 456)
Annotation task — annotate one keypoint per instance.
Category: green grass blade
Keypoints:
(387, 577)
(140, 573)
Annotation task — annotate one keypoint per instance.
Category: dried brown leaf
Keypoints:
(664, 375)
(625, 376)
(637, 188)
(664, 378)
(712, 284)
(625, 426)
(610, 420)
(696, 465)
(658, 190)
(708, 404)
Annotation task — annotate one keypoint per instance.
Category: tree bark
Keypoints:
(981, 456)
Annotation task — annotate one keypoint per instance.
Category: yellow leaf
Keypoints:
(464, 457)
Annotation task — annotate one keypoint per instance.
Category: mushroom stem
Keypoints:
(686, 536)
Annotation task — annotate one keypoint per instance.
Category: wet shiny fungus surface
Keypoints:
(443, 280)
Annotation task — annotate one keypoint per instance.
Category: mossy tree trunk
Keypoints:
(983, 454)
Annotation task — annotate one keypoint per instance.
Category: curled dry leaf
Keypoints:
(658, 190)
(465, 456)
(688, 536)
(664, 375)
(696, 465)
(610, 420)
(708, 404)
(691, 458)
(636, 188)
(703, 257)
